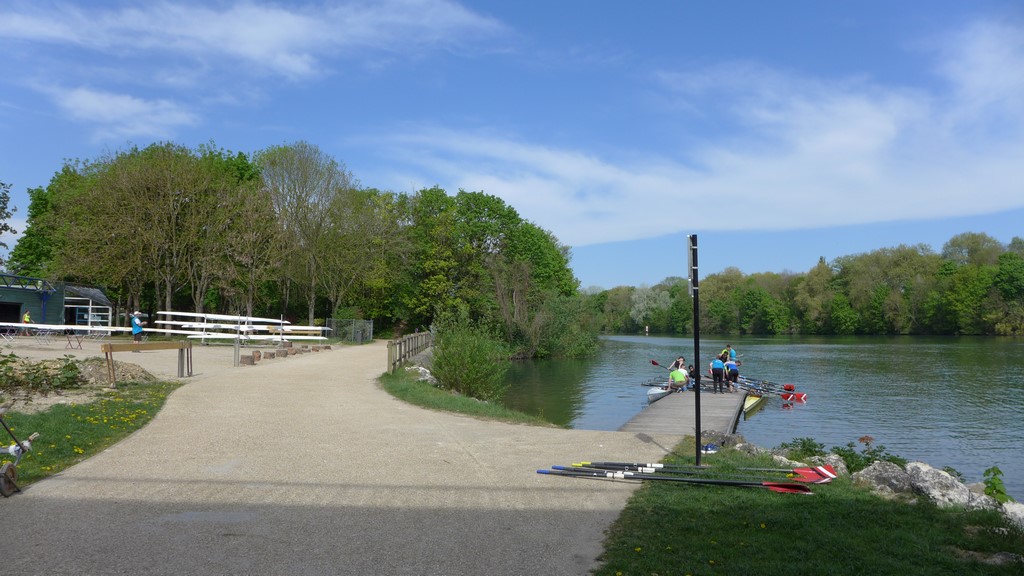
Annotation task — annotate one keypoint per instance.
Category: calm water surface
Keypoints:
(945, 401)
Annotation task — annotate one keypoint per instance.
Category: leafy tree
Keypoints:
(33, 253)
(5, 213)
(1009, 278)
(645, 302)
(304, 185)
(842, 318)
(972, 248)
(963, 297)
(431, 283)
(720, 293)
(813, 294)
(616, 309)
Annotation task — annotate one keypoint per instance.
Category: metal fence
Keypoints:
(356, 331)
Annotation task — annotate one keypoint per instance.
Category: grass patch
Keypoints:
(404, 385)
(70, 433)
(670, 528)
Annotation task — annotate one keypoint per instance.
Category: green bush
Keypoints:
(470, 360)
(857, 461)
(994, 486)
(803, 448)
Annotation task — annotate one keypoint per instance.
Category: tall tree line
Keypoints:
(289, 231)
(975, 285)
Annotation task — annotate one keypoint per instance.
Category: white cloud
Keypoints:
(291, 40)
(200, 53)
(801, 153)
(121, 115)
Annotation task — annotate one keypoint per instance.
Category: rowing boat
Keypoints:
(655, 394)
(752, 403)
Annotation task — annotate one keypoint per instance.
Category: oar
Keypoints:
(655, 362)
(807, 475)
(816, 474)
(773, 385)
(800, 476)
(787, 487)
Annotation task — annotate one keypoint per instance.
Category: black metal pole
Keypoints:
(695, 291)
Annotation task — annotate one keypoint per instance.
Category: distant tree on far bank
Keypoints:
(975, 286)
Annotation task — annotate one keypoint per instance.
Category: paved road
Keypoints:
(304, 466)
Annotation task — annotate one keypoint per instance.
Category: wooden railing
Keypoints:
(184, 348)
(404, 348)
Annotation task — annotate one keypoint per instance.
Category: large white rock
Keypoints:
(938, 485)
(1014, 512)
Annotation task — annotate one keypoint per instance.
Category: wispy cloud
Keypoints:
(293, 40)
(123, 116)
(799, 153)
(194, 51)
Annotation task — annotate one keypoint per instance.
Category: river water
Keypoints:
(953, 401)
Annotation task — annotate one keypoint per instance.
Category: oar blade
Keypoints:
(810, 476)
(787, 487)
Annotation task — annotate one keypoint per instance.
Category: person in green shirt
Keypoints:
(678, 379)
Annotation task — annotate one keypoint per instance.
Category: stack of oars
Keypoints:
(798, 484)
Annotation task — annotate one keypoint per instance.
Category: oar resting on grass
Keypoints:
(815, 474)
(805, 475)
(786, 487)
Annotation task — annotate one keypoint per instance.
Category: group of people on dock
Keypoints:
(725, 372)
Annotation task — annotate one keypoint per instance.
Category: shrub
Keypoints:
(803, 448)
(856, 461)
(470, 360)
(994, 486)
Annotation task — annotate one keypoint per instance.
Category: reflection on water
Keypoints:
(945, 401)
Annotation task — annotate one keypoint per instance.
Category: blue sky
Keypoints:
(779, 133)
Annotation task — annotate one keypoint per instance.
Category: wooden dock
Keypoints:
(675, 414)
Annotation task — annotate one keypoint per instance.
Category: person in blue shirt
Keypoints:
(732, 373)
(137, 324)
(730, 351)
(718, 374)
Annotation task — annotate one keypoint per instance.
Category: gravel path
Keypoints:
(304, 466)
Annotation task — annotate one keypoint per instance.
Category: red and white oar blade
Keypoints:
(827, 471)
(787, 487)
(809, 475)
(816, 475)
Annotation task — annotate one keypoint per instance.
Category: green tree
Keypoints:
(5, 213)
(813, 294)
(1009, 278)
(972, 248)
(431, 281)
(646, 302)
(33, 253)
(305, 184)
(719, 304)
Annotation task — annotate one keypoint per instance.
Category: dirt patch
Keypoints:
(94, 383)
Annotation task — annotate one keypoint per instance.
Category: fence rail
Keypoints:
(404, 348)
